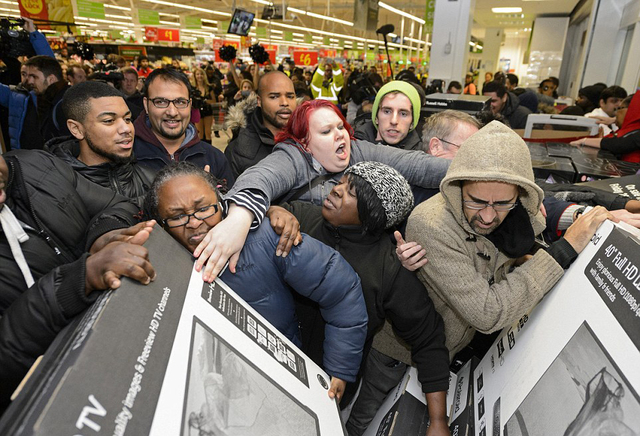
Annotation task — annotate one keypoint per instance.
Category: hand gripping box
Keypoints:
(175, 357)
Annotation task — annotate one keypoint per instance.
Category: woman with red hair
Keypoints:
(312, 152)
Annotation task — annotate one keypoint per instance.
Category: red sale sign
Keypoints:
(169, 35)
(272, 56)
(306, 58)
(151, 34)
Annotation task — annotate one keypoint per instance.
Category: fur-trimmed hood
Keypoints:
(237, 115)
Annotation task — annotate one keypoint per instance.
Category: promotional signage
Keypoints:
(146, 16)
(169, 35)
(428, 16)
(288, 36)
(151, 34)
(89, 9)
(60, 10)
(35, 9)
(218, 43)
(325, 53)
(305, 58)
(193, 22)
(272, 55)
(130, 52)
(261, 32)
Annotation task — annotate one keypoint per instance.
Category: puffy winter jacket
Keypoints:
(390, 291)
(251, 141)
(128, 179)
(62, 213)
(315, 271)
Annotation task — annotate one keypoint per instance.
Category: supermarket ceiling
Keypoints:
(335, 17)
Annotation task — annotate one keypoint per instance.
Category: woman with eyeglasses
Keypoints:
(184, 199)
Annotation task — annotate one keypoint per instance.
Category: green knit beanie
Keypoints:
(407, 89)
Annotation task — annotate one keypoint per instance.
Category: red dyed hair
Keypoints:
(297, 128)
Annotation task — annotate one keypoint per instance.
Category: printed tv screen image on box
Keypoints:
(227, 394)
(583, 390)
(570, 365)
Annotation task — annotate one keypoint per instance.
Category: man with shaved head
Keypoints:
(256, 121)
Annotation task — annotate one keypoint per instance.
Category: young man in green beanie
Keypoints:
(394, 117)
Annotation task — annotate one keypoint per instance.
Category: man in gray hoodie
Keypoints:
(484, 271)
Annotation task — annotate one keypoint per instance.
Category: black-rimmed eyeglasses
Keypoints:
(163, 103)
(480, 205)
(201, 214)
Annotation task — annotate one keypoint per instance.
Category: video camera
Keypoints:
(360, 87)
(14, 41)
(112, 76)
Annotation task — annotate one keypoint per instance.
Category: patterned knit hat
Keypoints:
(392, 189)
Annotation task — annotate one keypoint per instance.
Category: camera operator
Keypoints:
(22, 103)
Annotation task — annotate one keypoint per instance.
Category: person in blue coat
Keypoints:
(185, 201)
(17, 98)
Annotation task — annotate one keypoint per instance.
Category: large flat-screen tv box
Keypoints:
(176, 357)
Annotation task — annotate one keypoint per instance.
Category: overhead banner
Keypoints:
(60, 10)
(192, 22)
(151, 34)
(428, 16)
(365, 13)
(89, 9)
(148, 17)
(169, 35)
(305, 58)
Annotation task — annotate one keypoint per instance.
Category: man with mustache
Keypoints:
(485, 271)
(257, 120)
(101, 148)
(164, 133)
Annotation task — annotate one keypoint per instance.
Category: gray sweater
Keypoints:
(289, 169)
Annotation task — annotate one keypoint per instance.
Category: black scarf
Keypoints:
(515, 236)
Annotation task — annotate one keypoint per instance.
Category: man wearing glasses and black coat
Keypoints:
(164, 133)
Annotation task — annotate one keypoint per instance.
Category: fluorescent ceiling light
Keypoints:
(120, 17)
(122, 8)
(312, 14)
(192, 8)
(399, 12)
(506, 10)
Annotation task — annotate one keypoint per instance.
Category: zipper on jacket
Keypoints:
(41, 228)
(113, 182)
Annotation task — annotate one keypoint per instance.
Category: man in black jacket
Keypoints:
(256, 122)
(44, 77)
(370, 198)
(506, 104)
(48, 215)
(102, 145)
